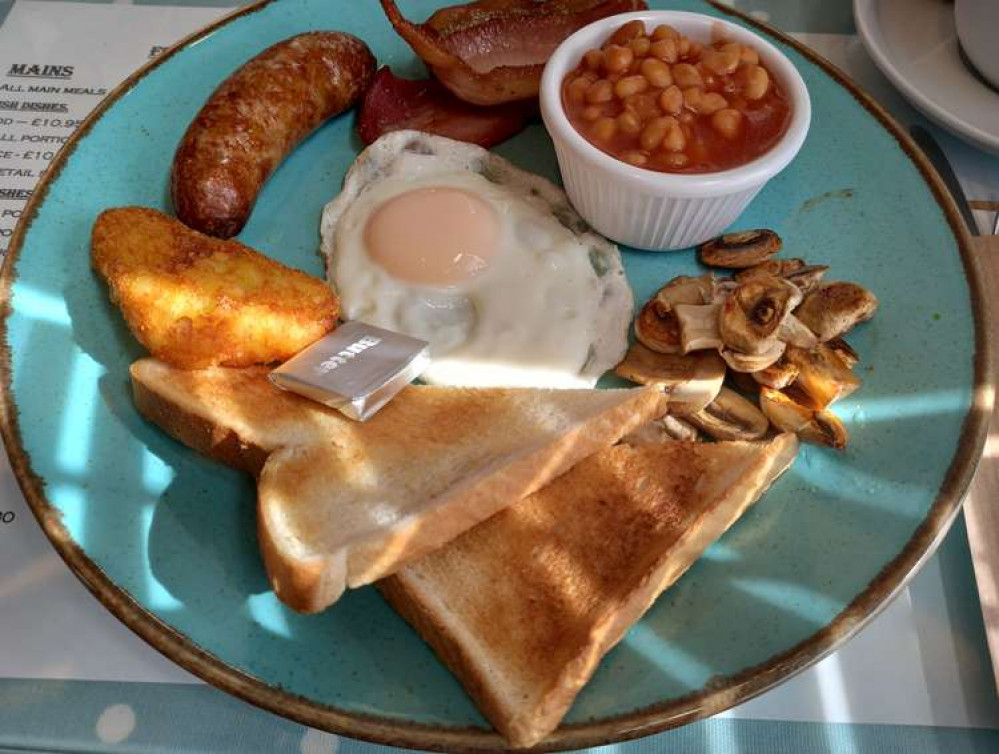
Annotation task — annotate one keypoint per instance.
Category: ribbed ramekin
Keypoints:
(658, 211)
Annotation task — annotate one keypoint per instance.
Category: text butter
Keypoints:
(356, 369)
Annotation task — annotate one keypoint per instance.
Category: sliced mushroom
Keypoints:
(652, 433)
(722, 289)
(691, 381)
(731, 417)
(825, 428)
(743, 362)
(794, 333)
(817, 427)
(752, 316)
(658, 329)
(740, 250)
(680, 429)
(771, 268)
(808, 277)
(778, 375)
(823, 377)
(685, 290)
(698, 326)
(831, 309)
(844, 351)
(666, 429)
(743, 382)
(804, 276)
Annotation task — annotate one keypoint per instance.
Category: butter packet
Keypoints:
(356, 369)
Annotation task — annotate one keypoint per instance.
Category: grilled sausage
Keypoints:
(255, 118)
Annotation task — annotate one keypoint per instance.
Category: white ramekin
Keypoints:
(647, 209)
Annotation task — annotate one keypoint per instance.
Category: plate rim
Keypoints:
(862, 12)
(718, 695)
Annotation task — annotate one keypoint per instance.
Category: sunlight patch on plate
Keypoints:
(804, 603)
(667, 656)
(269, 613)
(719, 552)
(77, 425)
(825, 472)
(41, 306)
(158, 597)
(156, 475)
(861, 409)
(70, 501)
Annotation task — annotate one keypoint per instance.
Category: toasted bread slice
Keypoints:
(523, 607)
(342, 503)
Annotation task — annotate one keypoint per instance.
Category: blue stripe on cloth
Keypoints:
(157, 718)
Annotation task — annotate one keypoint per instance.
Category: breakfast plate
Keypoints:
(166, 538)
(915, 45)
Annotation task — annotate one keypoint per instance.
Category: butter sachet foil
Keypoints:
(356, 369)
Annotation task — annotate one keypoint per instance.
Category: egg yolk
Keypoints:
(433, 236)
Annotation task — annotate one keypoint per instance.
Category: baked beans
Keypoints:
(663, 101)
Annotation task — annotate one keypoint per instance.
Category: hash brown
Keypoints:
(195, 301)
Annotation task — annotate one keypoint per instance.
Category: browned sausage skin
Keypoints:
(255, 118)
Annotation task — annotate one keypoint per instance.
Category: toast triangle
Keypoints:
(342, 503)
(523, 607)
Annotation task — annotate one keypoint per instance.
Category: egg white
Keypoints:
(551, 310)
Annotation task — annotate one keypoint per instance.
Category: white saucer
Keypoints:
(914, 43)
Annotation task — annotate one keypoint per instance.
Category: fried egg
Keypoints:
(447, 242)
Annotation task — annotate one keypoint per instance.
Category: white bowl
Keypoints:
(648, 209)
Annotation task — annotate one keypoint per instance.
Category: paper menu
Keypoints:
(57, 61)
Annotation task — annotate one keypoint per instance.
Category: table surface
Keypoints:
(917, 679)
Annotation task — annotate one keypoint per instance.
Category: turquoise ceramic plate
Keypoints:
(166, 539)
